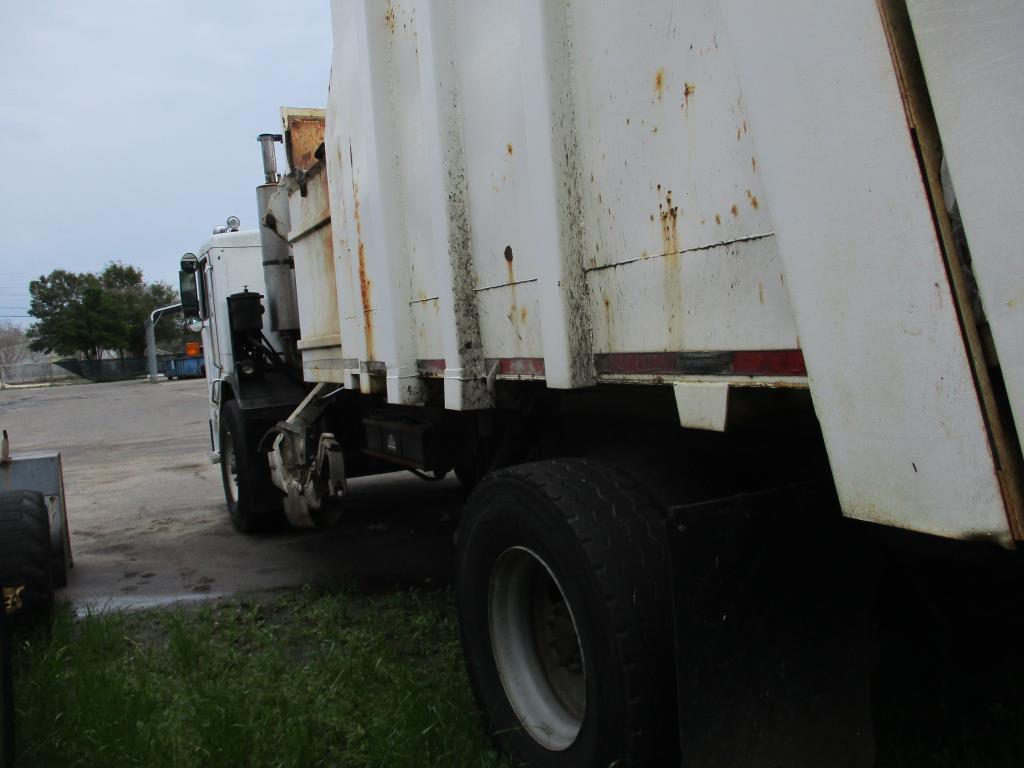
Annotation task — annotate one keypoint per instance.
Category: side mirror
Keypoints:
(188, 285)
(195, 325)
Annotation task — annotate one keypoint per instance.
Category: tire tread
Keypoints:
(620, 529)
(25, 556)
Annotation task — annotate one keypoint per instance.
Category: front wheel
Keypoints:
(564, 617)
(254, 503)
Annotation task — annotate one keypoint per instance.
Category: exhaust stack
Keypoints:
(267, 141)
(275, 223)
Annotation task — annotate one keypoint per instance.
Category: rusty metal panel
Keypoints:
(303, 135)
(315, 279)
(509, 320)
(722, 297)
(559, 139)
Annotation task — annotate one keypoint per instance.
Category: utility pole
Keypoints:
(154, 317)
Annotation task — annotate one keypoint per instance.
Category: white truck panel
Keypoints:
(887, 366)
(584, 192)
(315, 279)
(723, 297)
(512, 165)
(974, 63)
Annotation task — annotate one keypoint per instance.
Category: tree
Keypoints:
(136, 300)
(85, 314)
(13, 343)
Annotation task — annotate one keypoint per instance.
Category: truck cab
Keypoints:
(229, 264)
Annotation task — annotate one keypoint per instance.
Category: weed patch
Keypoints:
(304, 679)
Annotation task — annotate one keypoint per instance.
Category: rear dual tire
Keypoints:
(564, 615)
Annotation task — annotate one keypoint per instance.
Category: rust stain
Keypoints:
(659, 83)
(744, 126)
(688, 90)
(753, 164)
(365, 284)
(669, 215)
(522, 314)
(739, 134)
(753, 200)
(718, 219)
(508, 149)
(389, 17)
(508, 263)
(328, 243)
(760, 292)
(303, 135)
(735, 211)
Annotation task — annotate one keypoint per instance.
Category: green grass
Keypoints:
(305, 679)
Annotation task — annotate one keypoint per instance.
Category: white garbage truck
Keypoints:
(656, 281)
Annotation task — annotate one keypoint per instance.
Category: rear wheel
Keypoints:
(254, 503)
(26, 571)
(563, 609)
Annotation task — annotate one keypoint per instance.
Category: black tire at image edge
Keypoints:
(25, 549)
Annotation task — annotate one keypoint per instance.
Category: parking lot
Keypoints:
(147, 516)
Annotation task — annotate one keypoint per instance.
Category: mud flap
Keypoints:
(774, 649)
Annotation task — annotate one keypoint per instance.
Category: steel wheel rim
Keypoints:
(230, 467)
(535, 642)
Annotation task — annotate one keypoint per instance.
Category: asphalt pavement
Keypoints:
(147, 516)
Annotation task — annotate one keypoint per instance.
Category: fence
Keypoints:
(33, 373)
(116, 369)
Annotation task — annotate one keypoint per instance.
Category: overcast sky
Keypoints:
(128, 127)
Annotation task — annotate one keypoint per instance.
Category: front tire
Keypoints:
(563, 610)
(254, 503)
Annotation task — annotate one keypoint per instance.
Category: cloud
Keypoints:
(130, 124)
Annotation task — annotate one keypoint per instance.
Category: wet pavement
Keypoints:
(147, 515)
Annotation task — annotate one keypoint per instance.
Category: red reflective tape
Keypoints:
(638, 362)
(777, 362)
(786, 362)
(430, 366)
(520, 366)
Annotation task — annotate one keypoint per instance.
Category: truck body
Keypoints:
(720, 246)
